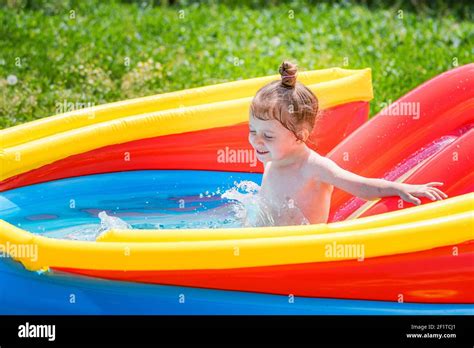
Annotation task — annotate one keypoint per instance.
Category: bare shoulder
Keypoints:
(317, 166)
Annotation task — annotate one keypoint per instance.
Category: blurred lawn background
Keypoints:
(94, 52)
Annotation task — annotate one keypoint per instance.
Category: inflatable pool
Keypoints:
(166, 158)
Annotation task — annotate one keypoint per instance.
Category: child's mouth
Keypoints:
(262, 152)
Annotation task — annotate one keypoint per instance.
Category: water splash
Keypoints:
(252, 210)
(248, 206)
(108, 222)
(239, 206)
(90, 232)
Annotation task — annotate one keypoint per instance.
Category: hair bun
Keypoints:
(288, 74)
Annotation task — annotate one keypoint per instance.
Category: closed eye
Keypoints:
(269, 137)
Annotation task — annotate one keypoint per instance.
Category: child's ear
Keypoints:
(303, 135)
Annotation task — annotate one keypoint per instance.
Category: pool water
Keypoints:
(145, 199)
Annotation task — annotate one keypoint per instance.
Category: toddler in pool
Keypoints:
(297, 182)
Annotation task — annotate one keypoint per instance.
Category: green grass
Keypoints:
(85, 59)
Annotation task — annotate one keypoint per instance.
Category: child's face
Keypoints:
(271, 140)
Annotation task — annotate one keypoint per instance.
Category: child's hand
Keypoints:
(409, 192)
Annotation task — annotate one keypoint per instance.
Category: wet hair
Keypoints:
(287, 101)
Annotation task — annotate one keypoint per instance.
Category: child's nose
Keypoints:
(258, 140)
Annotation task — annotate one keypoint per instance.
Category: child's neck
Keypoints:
(296, 158)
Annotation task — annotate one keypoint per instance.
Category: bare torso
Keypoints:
(295, 195)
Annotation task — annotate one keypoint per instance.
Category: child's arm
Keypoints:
(370, 189)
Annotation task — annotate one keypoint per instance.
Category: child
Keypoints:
(297, 182)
